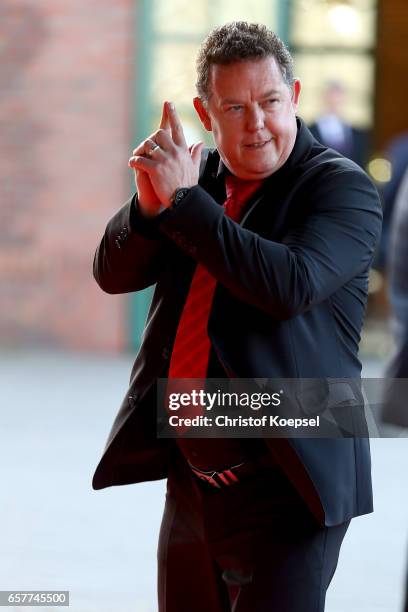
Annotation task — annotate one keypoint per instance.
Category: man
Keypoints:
(248, 524)
(331, 130)
(396, 152)
(395, 409)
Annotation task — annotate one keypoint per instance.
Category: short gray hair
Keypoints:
(239, 41)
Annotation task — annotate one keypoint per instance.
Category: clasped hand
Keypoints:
(163, 163)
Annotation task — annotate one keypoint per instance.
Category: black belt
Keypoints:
(231, 475)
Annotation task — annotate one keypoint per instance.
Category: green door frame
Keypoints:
(139, 302)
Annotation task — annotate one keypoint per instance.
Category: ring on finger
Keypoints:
(153, 148)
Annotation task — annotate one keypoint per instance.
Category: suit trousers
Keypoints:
(251, 547)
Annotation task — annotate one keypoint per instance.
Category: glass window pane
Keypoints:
(354, 71)
(171, 16)
(263, 11)
(174, 74)
(183, 17)
(317, 23)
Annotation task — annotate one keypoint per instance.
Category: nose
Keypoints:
(255, 118)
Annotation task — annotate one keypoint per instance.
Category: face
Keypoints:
(252, 115)
(335, 99)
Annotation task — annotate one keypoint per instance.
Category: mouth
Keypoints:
(260, 144)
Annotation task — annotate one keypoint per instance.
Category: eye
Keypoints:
(271, 101)
(234, 108)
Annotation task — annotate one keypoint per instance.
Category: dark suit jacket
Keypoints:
(356, 146)
(395, 407)
(292, 287)
(397, 154)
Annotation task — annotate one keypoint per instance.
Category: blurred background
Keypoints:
(82, 83)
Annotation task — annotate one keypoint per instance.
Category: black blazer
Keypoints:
(290, 300)
(395, 405)
(356, 146)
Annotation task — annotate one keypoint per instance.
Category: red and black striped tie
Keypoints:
(192, 345)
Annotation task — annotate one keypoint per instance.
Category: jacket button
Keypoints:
(165, 353)
(118, 243)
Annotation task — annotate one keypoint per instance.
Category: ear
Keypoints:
(202, 113)
(296, 93)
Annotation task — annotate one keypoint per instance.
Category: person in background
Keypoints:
(332, 130)
(396, 153)
(395, 409)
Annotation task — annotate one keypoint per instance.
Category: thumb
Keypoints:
(196, 151)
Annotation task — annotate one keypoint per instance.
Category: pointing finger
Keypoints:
(177, 133)
(164, 121)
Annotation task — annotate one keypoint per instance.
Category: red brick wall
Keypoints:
(65, 79)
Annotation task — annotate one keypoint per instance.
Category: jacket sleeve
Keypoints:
(333, 243)
(129, 255)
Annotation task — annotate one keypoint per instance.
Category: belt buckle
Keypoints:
(226, 477)
(207, 478)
